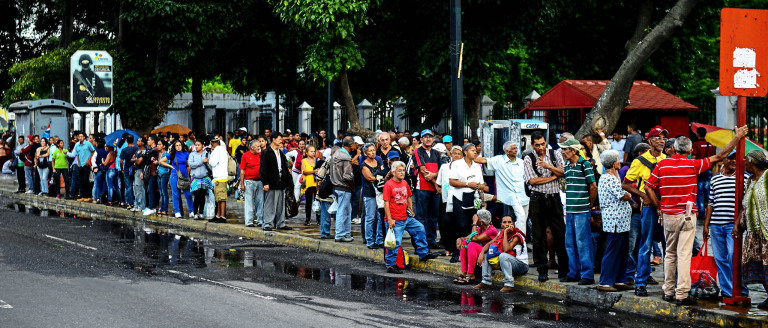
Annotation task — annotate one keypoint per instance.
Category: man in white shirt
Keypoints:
(510, 183)
(618, 144)
(219, 161)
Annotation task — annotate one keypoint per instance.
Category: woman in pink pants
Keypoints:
(471, 246)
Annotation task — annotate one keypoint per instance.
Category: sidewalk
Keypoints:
(308, 237)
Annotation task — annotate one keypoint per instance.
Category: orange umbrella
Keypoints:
(172, 128)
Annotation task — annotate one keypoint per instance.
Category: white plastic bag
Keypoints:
(333, 208)
(210, 205)
(390, 241)
(316, 206)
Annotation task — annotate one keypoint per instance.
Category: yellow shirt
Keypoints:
(233, 144)
(309, 180)
(639, 171)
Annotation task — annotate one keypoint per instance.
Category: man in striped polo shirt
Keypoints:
(580, 194)
(674, 179)
(718, 221)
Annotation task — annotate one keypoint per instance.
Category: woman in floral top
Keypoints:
(616, 212)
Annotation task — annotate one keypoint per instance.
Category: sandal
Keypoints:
(460, 279)
(466, 281)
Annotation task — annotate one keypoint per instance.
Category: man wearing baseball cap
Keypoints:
(641, 226)
(427, 162)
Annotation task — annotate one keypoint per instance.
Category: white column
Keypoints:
(486, 107)
(305, 117)
(337, 121)
(281, 119)
(365, 113)
(399, 118)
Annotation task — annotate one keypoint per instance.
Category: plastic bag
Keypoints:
(332, 209)
(390, 241)
(210, 205)
(316, 206)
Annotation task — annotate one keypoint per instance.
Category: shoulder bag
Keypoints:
(183, 182)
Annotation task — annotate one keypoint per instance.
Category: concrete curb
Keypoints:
(651, 306)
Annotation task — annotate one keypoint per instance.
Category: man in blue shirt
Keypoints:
(81, 172)
(510, 183)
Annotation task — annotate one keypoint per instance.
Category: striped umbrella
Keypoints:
(720, 137)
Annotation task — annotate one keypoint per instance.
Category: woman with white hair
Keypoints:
(616, 213)
(471, 246)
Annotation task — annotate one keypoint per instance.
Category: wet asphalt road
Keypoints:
(70, 272)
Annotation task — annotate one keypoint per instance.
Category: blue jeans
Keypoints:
(74, 186)
(152, 197)
(373, 232)
(254, 201)
(578, 245)
(98, 184)
(343, 214)
(113, 191)
(29, 175)
(640, 236)
(702, 192)
(43, 179)
(510, 266)
(355, 201)
(162, 186)
(722, 250)
(128, 188)
(325, 219)
(613, 268)
(426, 212)
(176, 194)
(416, 230)
(139, 192)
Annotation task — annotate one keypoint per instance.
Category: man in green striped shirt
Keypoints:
(580, 194)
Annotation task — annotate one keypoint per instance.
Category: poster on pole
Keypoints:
(743, 52)
(91, 85)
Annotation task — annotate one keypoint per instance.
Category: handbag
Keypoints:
(291, 206)
(183, 182)
(702, 263)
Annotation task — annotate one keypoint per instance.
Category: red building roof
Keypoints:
(584, 94)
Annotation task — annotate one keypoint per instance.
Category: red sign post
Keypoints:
(743, 73)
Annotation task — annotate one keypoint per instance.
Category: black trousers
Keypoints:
(309, 197)
(199, 200)
(85, 182)
(57, 181)
(20, 178)
(546, 210)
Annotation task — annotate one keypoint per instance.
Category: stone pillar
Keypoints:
(725, 115)
(398, 118)
(365, 115)
(486, 108)
(281, 119)
(337, 121)
(305, 117)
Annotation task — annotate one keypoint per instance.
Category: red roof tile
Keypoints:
(584, 94)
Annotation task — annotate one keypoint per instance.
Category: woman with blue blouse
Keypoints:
(163, 175)
(177, 163)
(616, 212)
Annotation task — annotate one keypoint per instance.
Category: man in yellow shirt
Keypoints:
(642, 223)
(235, 141)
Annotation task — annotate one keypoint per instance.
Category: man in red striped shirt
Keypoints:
(674, 180)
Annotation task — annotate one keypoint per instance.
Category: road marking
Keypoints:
(4, 305)
(71, 242)
(236, 288)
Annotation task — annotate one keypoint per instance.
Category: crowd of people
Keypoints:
(592, 205)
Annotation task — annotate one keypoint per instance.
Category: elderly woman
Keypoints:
(616, 212)
(471, 246)
(754, 218)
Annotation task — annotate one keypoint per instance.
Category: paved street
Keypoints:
(67, 272)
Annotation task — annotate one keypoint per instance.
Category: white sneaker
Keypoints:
(356, 221)
(30, 192)
(177, 215)
(148, 211)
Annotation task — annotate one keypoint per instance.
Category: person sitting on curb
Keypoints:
(472, 246)
(398, 208)
(511, 253)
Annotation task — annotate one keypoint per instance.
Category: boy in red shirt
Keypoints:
(398, 209)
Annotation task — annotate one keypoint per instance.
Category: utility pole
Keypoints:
(457, 86)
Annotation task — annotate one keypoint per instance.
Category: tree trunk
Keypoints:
(198, 112)
(609, 107)
(644, 16)
(349, 103)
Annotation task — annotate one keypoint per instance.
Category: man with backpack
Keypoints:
(640, 235)
(342, 177)
(219, 161)
(427, 163)
(542, 171)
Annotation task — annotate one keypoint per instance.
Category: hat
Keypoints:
(404, 141)
(216, 139)
(358, 140)
(640, 147)
(733, 152)
(427, 132)
(327, 152)
(393, 154)
(447, 138)
(657, 130)
(243, 129)
(415, 134)
(440, 147)
(287, 130)
(570, 143)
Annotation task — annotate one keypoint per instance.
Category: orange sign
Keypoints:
(743, 52)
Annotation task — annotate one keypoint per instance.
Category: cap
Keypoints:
(358, 140)
(415, 134)
(215, 139)
(440, 147)
(393, 154)
(287, 130)
(427, 132)
(640, 147)
(732, 154)
(404, 141)
(657, 130)
(570, 143)
(243, 129)
(447, 138)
